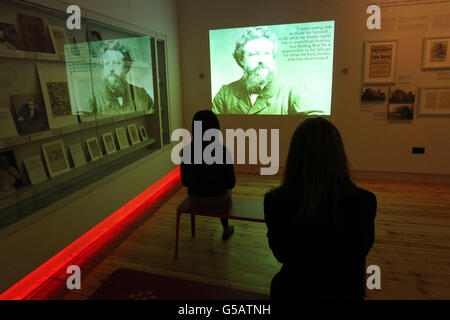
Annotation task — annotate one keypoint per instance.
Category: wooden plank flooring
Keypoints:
(412, 245)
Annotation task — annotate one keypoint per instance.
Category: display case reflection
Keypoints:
(111, 77)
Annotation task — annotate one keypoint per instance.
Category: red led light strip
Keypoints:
(140, 203)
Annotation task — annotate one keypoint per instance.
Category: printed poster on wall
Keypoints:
(379, 61)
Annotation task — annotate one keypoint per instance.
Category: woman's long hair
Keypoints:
(316, 165)
(209, 120)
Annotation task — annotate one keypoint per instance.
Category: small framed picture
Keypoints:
(93, 148)
(400, 111)
(143, 133)
(373, 94)
(55, 91)
(435, 53)
(380, 59)
(403, 94)
(401, 102)
(434, 101)
(35, 169)
(122, 138)
(134, 136)
(108, 142)
(77, 154)
(55, 157)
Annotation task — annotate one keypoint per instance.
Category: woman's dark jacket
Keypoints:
(320, 259)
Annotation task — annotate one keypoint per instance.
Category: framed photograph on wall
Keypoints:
(143, 133)
(373, 94)
(122, 138)
(134, 136)
(435, 53)
(400, 111)
(434, 101)
(108, 142)
(401, 102)
(403, 94)
(93, 148)
(380, 59)
(55, 157)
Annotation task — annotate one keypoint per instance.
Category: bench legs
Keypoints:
(177, 232)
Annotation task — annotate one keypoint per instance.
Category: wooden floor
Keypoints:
(412, 244)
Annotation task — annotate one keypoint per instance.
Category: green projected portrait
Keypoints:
(272, 70)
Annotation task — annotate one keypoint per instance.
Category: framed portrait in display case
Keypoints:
(35, 169)
(122, 138)
(93, 148)
(108, 142)
(134, 136)
(380, 58)
(55, 91)
(29, 113)
(55, 157)
(435, 53)
(78, 158)
(34, 35)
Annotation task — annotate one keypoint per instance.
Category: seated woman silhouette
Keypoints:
(320, 224)
(209, 185)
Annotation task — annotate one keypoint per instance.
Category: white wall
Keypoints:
(31, 241)
(372, 145)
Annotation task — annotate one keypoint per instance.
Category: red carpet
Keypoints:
(125, 284)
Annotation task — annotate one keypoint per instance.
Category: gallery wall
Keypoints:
(375, 147)
(30, 242)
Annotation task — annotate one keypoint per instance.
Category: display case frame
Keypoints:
(32, 198)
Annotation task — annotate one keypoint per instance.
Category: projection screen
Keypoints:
(272, 70)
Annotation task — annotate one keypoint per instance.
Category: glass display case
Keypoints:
(75, 105)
